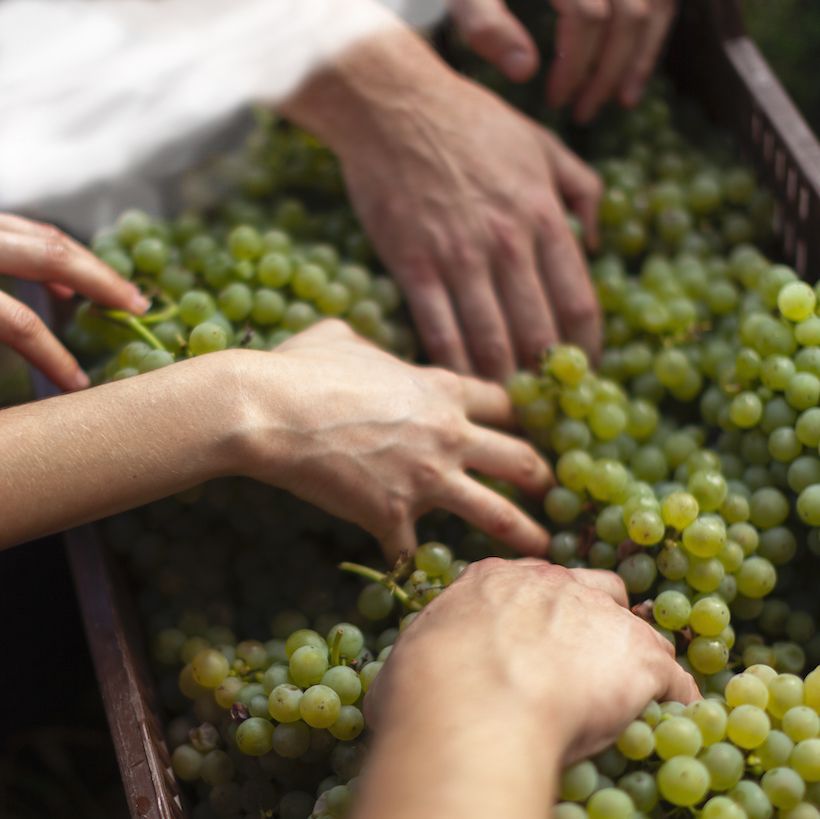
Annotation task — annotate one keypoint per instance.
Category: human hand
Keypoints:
(541, 645)
(38, 252)
(604, 49)
(462, 197)
(379, 442)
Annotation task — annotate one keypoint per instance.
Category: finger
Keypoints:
(399, 542)
(492, 31)
(529, 315)
(580, 186)
(487, 403)
(643, 62)
(677, 685)
(510, 459)
(434, 317)
(50, 256)
(579, 30)
(567, 280)
(22, 330)
(604, 581)
(484, 326)
(13, 223)
(625, 32)
(495, 515)
(60, 291)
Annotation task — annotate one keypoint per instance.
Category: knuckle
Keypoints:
(23, 324)
(530, 465)
(502, 521)
(56, 248)
(580, 310)
(441, 344)
(464, 254)
(396, 512)
(636, 11)
(593, 11)
(551, 222)
(427, 476)
(508, 240)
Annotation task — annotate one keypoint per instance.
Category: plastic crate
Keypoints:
(710, 60)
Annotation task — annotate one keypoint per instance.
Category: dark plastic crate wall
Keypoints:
(713, 61)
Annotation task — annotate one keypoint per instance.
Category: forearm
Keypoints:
(373, 86)
(77, 457)
(445, 760)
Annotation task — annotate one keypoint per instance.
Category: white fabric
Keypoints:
(101, 99)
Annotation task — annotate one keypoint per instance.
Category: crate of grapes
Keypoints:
(710, 63)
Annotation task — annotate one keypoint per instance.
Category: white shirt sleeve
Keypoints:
(104, 98)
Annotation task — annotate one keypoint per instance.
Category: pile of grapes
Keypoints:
(687, 463)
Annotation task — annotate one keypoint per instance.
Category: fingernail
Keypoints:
(139, 304)
(517, 63)
(80, 380)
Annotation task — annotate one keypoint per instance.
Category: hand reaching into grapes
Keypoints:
(328, 416)
(604, 49)
(557, 667)
(379, 442)
(464, 199)
(30, 250)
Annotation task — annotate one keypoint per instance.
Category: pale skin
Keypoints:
(464, 199)
(328, 416)
(515, 671)
(605, 50)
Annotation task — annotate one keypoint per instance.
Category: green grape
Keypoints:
(195, 307)
(801, 722)
(745, 410)
(683, 780)
(573, 469)
(752, 798)
(747, 689)
(805, 759)
(721, 807)
(309, 282)
(638, 572)
(645, 527)
(523, 388)
(349, 724)
(610, 803)
(705, 574)
(775, 750)
(808, 505)
(578, 782)
(186, 762)
(748, 726)
(705, 537)
(607, 421)
(274, 270)
(568, 810)
(155, 360)
(641, 788)
(710, 616)
(708, 488)
(679, 510)
(677, 736)
(608, 480)
(254, 736)
(334, 300)
(711, 719)
(290, 739)
(433, 558)
(784, 787)
(708, 654)
(803, 390)
(568, 364)
(726, 765)
(785, 692)
(283, 702)
(308, 664)
(235, 301)
(671, 610)
(209, 668)
(347, 639)
(244, 242)
(368, 674)
(150, 255)
(672, 563)
(796, 301)
(756, 577)
(132, 225)
(207, 337)
(375, 601)
(635, 742)
(298, 315)
(345, 682)
(217, 768)
(319, 706)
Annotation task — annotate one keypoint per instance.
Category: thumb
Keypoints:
(494, 32)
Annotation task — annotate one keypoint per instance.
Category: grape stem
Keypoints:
(335, 648)
(385, 580)
(135, 324)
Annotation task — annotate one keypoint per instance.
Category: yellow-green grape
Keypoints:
(785, 692)
(523, 388)
(796, 301)
(705, 536)
(752, 798)
(433, 558)
(578, 782)
(756, 577)
(784, 787)
(677, 736)
(207, 337)
(671, 610)
(637, 741)
(708, 654)
(334, 300)
(805, 759)
(369, 672)
(721, 807)
(225, 693)
(610, 803)
(747, 689)
(645, 527)
(573, 469)
(268, 306)
(800, 722)
(290, 739)
(568, 364)
(711, 718)
(345, 682)
(808, 505)
(347, 639)
(217, 768)
(349, 724)
(726, 765)
(254, 736)
(811, 689)
(683, 780)
(304, 637)
(320, 706)
(186, 762)
(775, 750)
(308, 665)
(244, 242)
(679, 509)
(748, 726)
(274, 270)
(283, 702)
(209, 668)
(709, 616)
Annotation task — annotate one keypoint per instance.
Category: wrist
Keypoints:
(371, 91)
